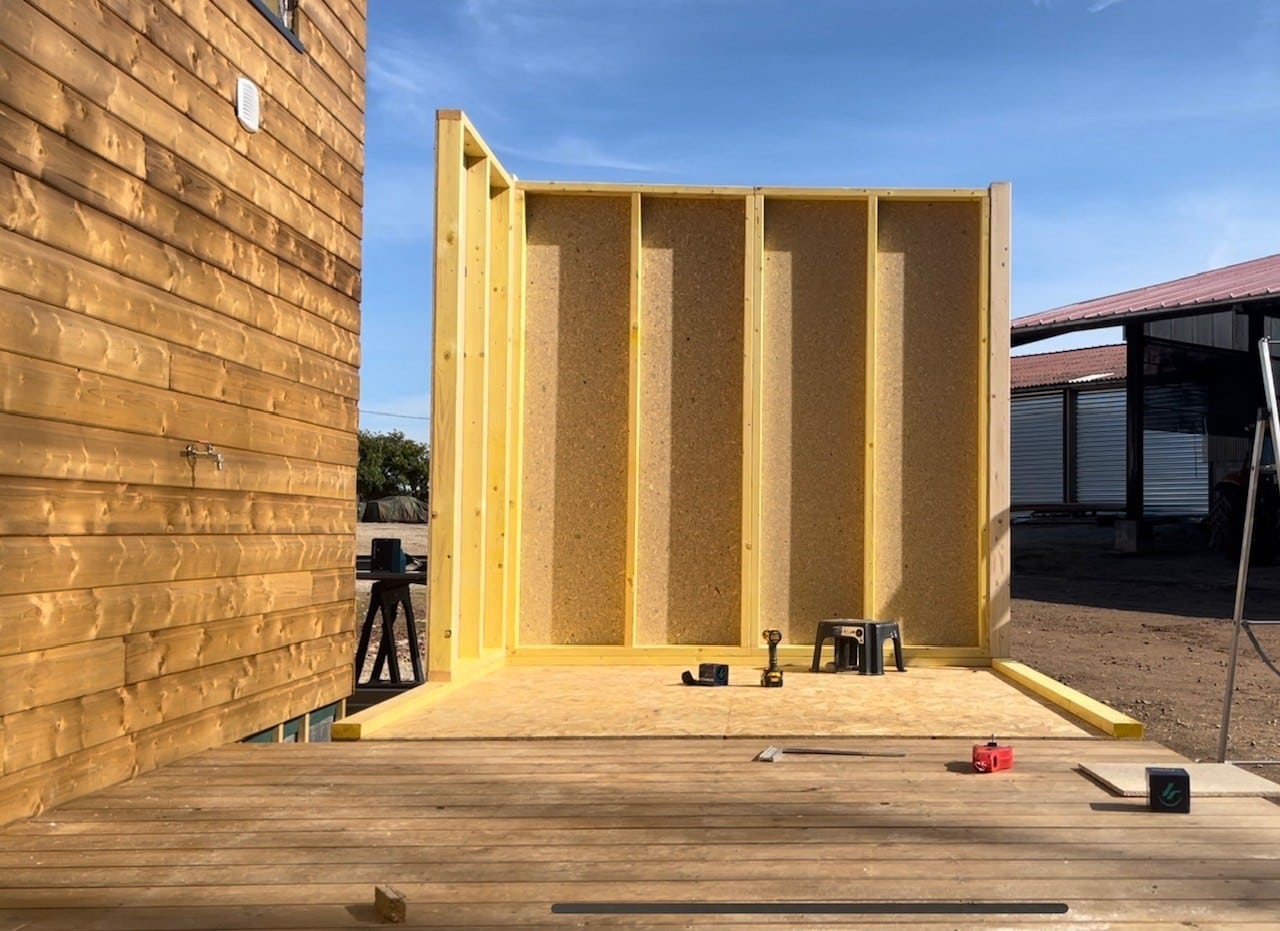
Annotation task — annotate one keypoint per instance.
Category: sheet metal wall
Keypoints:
(1038, 467)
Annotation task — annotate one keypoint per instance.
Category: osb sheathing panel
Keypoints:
(689, 510)
(575, 420)
(927, 421)
(814, 347)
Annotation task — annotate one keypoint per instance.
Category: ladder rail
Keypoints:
(1268, 420)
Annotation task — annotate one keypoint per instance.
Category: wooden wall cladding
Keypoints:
(575, 420)
(928, 325)
(813, 433)
(167, 278)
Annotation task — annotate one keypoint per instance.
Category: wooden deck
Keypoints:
(494, 833)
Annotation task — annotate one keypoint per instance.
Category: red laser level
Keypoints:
(990, 757)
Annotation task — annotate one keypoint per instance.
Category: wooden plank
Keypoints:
(48, 391)
(202, 57)
(999, 562)
(157, 653)
(176, 89)
(67, 508)
(55, 277)
(43, 213)
(634, 414)
(49, 731)
(1106, 719)
(41, 564)
(449, 333)
(47, 620)
(160, 704)
(460, 903)
(68, 113)
(354, 17)
(870, 381)
(48, 449)
(249, 41)
(474, 414)
(39, 39)
(607, 189)
(38, 787)
(498, 393)
(205, 376)
(42, 331)
(188, 185)
(340, 51)
(28, 680)
(30, 148)
(283, 75)
(515, 424)
(753, 621)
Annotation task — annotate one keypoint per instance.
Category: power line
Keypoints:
(389, 414)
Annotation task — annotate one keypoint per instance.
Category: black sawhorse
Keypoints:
(387, 598)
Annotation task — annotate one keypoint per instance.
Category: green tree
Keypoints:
(392, 464)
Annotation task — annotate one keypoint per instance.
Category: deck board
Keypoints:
(491, 833)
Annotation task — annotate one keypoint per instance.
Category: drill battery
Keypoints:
(991, 757)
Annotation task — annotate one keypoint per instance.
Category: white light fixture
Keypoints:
(248, 106)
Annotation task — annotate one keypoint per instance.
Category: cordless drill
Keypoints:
(772, 678)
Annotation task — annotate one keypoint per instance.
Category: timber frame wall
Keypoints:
(168, 278)
(666, 418)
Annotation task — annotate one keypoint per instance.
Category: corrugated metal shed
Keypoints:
(1246, 281)
(1071, 367)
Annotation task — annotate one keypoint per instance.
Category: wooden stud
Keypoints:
(982, 364)
(474, 409)
(515, 423)
(449, 322)
(752, 419)
(633, 424)
(869, 603)
(999, 552)
(497, 390)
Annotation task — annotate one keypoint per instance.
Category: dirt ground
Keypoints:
(1148, 633)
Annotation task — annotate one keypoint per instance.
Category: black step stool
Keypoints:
(858, 644)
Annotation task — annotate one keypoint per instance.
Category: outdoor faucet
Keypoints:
(193, 452)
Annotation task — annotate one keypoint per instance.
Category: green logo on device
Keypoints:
(1170, 796)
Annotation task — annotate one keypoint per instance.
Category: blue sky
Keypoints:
(1142, 137)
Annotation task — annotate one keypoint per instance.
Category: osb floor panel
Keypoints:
(498, 833)
(649, 701)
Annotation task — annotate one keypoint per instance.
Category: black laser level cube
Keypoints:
(714, 673)
(1168, 789)
(387, 556)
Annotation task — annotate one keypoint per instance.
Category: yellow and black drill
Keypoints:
(772, 677)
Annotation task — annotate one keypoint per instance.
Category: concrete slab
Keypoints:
(1208, 780)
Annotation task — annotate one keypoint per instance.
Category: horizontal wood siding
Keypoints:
(167, 279)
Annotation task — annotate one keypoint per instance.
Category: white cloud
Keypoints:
(581, 152)
(1099, 5)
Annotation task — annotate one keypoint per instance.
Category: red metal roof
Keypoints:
(1258, 278)
(1070, 367)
